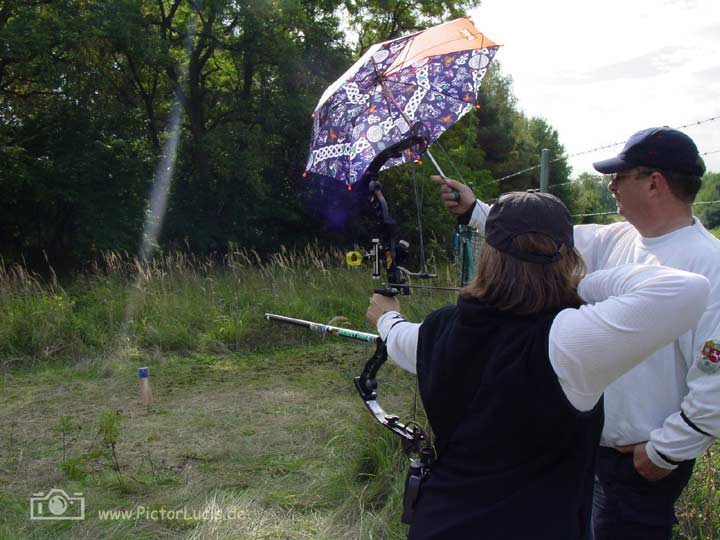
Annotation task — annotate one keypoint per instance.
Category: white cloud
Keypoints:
(599, 71)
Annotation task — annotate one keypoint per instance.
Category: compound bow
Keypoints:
(386, 252)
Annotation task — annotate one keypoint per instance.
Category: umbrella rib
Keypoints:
(368, 77)
(385, 93)
(389, 105)
(406, 50)
(385, 98)
(387, 101)
(408, 46)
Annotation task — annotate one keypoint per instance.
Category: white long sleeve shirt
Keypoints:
(671, 400)
(592, 346)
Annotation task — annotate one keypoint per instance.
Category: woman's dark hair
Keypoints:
(523, 288)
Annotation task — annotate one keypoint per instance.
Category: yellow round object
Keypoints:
(354, 258)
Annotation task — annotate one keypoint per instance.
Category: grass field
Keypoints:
(255, 432)
(277, 444)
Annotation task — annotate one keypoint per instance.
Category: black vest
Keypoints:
(516, 458)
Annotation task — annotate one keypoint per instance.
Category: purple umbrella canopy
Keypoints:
(431, 77)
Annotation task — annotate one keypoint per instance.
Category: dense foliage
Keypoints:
(709, 214)
(87, 90)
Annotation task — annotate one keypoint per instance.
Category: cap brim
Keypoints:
(612, 165)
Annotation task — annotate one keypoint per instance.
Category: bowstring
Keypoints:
(419, 196)
(415, 400)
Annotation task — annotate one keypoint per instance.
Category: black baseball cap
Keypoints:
(521, 212)
(660, 148)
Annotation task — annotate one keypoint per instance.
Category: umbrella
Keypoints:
(424, 82)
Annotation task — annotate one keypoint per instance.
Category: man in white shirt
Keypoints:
(665, 412)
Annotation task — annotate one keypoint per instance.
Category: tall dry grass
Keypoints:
(180, 302)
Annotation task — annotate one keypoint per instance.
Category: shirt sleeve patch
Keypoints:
(709, 359)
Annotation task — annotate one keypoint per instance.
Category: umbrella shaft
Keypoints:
(439, 170)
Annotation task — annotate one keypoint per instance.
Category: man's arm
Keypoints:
(690, 431)
(456, 196)
(592, 346)
(461, 202)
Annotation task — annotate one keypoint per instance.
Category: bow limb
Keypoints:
(366, 385)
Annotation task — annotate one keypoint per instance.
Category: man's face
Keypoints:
(629, 188)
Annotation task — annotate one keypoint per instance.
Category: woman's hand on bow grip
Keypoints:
(379, 305)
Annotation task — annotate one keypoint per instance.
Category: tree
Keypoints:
(511, 142)
(709, 214)
(69, 149)
(86, 93)
(381, 20)
(589, 195)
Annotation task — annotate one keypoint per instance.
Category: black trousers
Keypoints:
(628, 507)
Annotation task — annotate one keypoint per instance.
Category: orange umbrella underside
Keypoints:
(457, 35)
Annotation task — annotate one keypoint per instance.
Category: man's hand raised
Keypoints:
(456, 196)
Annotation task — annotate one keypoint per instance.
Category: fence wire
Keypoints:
(605, 147)
(468, 241)
(614, 212)
(604, 178)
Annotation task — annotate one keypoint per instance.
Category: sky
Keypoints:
(600, 71)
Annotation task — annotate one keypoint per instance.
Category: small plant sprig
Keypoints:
(110, 434)
(73, 468)
(66, 426)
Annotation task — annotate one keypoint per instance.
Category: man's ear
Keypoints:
(657, 184)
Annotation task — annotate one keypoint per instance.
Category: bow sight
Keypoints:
(402, 248)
